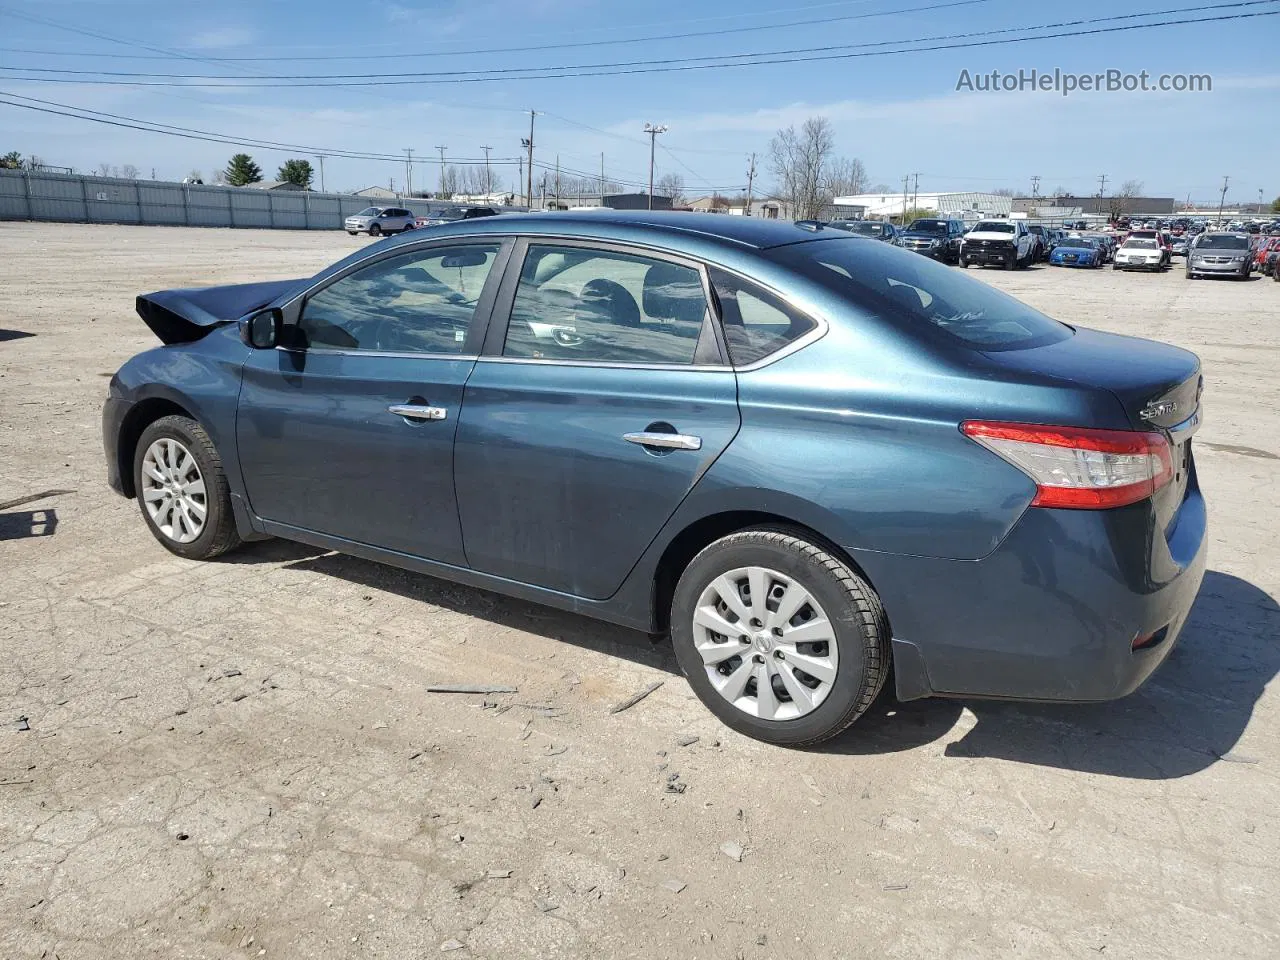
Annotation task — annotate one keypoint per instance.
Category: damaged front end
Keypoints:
(184, 316)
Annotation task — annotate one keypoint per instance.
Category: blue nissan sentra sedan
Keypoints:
(815, 460)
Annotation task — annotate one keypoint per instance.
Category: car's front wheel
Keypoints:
(375, 230)
(182, 489)
(779, 637)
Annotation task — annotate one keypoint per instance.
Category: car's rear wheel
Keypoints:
(353, 232)
(182, 490)
(375, 230)
(778, 637)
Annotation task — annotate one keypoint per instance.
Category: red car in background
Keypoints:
(1265, 246)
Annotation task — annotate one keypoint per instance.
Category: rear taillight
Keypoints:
(1079, 468)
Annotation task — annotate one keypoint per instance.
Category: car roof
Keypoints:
(658, 226)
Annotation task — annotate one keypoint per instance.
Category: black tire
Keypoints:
(353, 232)
(860, 626)
(219, 534)
(1011, 263)
(375, 230)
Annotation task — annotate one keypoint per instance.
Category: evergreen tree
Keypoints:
(242, 170)
(296, 171)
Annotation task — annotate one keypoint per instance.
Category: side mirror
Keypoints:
(261, 330)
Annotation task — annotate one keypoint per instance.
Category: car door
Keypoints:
(602, 397)
(347, 429)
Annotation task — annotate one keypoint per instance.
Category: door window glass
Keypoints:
(575, 303)
(423, 302)
(756, 323)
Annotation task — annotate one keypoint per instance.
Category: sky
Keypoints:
(896, 109)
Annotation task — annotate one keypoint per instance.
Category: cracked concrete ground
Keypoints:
(238, 759)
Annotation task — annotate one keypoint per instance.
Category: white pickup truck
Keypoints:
(1006, 243)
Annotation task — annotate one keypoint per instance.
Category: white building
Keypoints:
(965, 204)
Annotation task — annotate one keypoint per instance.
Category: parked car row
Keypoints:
(377, 221)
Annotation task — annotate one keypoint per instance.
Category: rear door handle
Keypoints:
(673, 441)
(414, 411)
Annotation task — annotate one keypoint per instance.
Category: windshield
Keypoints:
(1139, 245)
(989, 226)
(1222, 241)
(918, 294)
(1079, 243)
(369, 212)
(938, 227)
(448, 213)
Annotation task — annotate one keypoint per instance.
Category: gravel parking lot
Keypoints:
(239, 759)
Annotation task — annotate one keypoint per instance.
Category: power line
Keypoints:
(678, 64)
(189, 133)
(819, 21)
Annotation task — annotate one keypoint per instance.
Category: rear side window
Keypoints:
(577, 303)
(756, 323)
(920, 295)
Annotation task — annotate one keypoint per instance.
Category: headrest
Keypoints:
(672, 292)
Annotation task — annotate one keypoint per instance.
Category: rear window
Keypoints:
(921, 295)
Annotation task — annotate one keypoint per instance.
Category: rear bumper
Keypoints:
(1053, 613)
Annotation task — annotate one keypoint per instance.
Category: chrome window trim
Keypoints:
(337, 352)
(610, 364)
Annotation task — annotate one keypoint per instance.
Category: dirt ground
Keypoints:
(239, 759)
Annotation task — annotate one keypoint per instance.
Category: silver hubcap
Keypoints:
(173, 490)
(766, 643)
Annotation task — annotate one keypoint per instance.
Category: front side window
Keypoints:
(576, 303)
(919, 294)
(756, 323)
(422, 302)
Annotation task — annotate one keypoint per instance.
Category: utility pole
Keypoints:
(1102, 191)
(1035, 188)
(906, 181)
(653, 132)
(1259, 210)
(602, 178)
(520, 178)
(751, 180)
(408, 171)
(915, 195)
(488, 181)
(528, 145)
(1222, 199)
(442, 150)
(557, 180)
(320, 157)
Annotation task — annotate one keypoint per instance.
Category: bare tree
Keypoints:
(129, 172)
(845, 177)
(195, 176)
(103, 170)
(1005, 192)
(1120, 203)
(797, 160)
(671, 185)
(881, 188)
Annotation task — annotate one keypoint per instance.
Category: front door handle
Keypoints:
(415, 411)
(672, 441)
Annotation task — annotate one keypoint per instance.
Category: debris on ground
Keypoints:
(23, 724)
(468, 688)
(675, 886)
(673, 784)
(732, 850)
(544, 905)
(554, 751)
(687, 741)
(497, 875)
(895, 886)
(451, 945)
(1232, 757)
(635, 698)
(231, 672)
